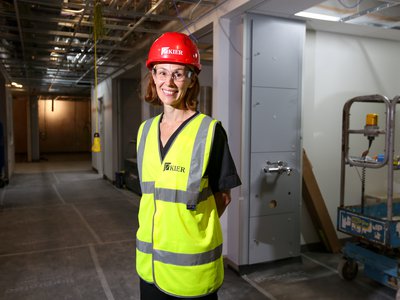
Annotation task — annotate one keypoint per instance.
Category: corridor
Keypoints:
(66, 233)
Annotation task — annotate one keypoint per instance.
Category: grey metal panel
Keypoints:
(244, 205)
(269, 189)
(276, 56)
(274, 237)
(275, 122)
(274, 105)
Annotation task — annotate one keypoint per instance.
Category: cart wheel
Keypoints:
(348, 269)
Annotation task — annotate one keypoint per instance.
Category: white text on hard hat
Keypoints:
(167, 51)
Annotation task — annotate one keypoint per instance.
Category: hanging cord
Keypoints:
(228, 38)
(363, 173)
(95, 81)
(365, 153)
(98, 31)
(194, 8)
(178, 14)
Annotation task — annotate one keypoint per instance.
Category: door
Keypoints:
(102, 136)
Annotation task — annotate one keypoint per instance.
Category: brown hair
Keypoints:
(189, 98)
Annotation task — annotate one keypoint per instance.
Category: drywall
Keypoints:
(103, 161)
(7, 142)
(338, 67)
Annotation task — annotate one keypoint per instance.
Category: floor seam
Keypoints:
(258, 287)
(100, 274)
(336, 271)
(58, 193)
(87, 225)
(319, 263)
(56, 178)
(64, 248)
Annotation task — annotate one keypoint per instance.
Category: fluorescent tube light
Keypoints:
(316, 16)
(17, 85)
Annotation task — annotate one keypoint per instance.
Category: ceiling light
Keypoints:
(70, 12)
(316, 16)
(65, 24)
(17, 85)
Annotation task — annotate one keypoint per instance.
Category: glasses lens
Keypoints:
(164, 75)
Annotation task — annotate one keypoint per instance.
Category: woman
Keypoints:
(186, 172)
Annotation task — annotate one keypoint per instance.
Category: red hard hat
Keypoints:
(174, 47)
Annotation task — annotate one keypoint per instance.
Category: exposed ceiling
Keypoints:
(377, 13)
(47, 46)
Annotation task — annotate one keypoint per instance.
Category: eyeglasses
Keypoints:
(177, 76)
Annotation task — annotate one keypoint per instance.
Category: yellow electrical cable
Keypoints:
(95, 79)
(96, 147)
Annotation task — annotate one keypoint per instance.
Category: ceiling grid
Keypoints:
(47, 46)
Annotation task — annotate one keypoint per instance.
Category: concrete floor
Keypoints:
(65, 233)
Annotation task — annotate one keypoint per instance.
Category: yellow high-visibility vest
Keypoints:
(179, 240)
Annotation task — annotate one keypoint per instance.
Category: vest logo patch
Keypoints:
(170, 167)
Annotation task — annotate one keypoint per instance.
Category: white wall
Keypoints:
(205, 76)
(104, 161)
(338, 67)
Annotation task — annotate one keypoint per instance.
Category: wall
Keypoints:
(104, 161)
(129, 116)
(20, 126)
(10, 136)
(338, 67)
(6, 115)
(148, 110)
(64, 126)
(234, 236)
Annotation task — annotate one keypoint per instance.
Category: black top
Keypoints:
(221, 170)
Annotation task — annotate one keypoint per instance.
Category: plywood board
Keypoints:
(316, 206)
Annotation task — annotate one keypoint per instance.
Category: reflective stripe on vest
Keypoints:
(180, 259)
(185, 197)
(157, 260)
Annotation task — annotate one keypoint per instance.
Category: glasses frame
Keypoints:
(187, 75)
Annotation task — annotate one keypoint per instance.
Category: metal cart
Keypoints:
(375, 228)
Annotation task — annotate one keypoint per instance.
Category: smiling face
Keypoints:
(172, 82)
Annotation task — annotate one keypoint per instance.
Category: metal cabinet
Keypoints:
(272, 127)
